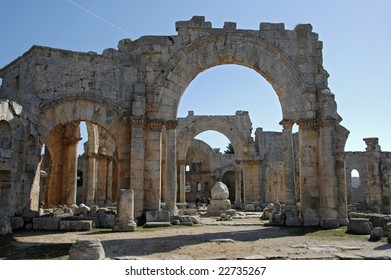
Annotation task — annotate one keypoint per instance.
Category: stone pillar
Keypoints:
(171, 188)
(238, 183)
(109, 181)
(152, 178)
(125, 211)
(309, 172)
(137, 163)
(182, 182)
(341, 189)
(291, 210)
(374, 195)
(70, 171)
(251, 180)
(328, 208)
(91, 186)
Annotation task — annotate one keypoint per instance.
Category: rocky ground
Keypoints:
(245, 238)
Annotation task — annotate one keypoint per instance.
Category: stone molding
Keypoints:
(154, 124)
(308, 124)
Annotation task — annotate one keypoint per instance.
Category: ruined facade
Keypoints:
(132, 94)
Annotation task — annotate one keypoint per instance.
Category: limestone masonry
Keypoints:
(128, 97)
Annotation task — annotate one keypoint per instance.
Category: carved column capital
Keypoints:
(287, 124)
(171, 124)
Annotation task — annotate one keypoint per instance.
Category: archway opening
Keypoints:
(355, 176)
(79, 161)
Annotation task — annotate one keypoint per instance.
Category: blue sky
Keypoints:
(355, 34)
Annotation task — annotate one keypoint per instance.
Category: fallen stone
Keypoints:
(17, 223)
(376, 234)
(359, 226)
(87, 250)
(81, 225)
(46, 223)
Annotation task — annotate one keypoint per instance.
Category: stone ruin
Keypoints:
(128, 98)
(220, 204)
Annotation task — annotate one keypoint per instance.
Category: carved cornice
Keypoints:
(328, 122)
(154, 124)
(308, 124)
(138, 121)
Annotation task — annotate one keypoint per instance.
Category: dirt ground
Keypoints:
(248, 238)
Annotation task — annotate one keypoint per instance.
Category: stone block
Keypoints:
(46, 223)
(87, 250)
(17, 222)
(84, 209)
(219, 205)
(77, 225)
(186, 220)
(249, 207)
(28, 215)
(157, 219)
(158, 216)
(359, 226)
(106, 220)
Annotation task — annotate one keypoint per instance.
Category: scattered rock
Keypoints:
(376, 234)
(87, 250)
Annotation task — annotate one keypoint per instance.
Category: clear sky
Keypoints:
(356, 50)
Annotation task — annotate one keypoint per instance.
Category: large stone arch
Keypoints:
(217, 124)
(58, 128)
(249, 51)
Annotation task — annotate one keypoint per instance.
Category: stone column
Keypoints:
(374, 195)
(309, 171)
(291, 210)
(91, 191)
(182, 182)
(341, 189)
(109, 181)
(137, 163)
(152, 178)
(328, 208)
(171, 175)
(238, 182)
(70, 171)
(125, 211)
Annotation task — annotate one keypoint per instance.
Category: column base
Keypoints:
(292, 217)
(343, 221)
(311, 221)
(329, 223)
(124, 226)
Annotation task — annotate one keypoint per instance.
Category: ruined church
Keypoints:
(129, 97)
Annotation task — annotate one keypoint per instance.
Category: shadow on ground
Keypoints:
(11, 249)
